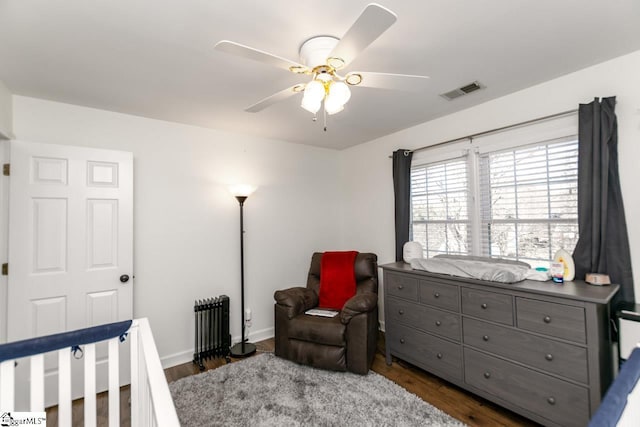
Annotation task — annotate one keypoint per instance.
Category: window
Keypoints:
(529, 201)
(507, 197)
(439, 201)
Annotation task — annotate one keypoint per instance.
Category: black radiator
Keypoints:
(212, 337)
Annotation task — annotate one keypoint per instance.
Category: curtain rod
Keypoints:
(496, 130)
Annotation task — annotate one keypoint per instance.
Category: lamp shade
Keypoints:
(242, 190)
(311, 105)
(314, 91)
(338, 95)
(332, 107)
(313, 95)
(340, 91)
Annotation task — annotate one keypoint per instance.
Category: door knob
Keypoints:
(124, 278)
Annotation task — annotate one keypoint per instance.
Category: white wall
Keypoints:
(186, 224)
(368, 218)
(6, 112)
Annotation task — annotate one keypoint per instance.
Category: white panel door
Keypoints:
(70, 241)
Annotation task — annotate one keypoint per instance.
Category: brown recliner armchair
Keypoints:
(346, 342)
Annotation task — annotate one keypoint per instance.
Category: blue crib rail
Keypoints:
(29, 347)
(611, 408)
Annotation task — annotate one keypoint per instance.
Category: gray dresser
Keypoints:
(538, 348)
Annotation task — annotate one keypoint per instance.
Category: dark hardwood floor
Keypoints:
(466, 407)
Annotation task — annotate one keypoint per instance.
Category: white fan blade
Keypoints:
(403, 82)
(270, 100)
(255, 54)
(373, 21)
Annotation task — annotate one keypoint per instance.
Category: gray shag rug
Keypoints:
(266, 390)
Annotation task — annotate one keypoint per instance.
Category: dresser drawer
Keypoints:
(558, 401)
(424, 317)
(439, 295)
(427, 351)
(488, 305)
(557, 320)
(555, 357)
(401, 286)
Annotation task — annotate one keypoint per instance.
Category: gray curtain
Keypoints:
(402, 193)
(603, 246)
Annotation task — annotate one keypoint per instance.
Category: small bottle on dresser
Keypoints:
(557, 272)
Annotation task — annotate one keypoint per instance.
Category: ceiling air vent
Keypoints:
(456, 93)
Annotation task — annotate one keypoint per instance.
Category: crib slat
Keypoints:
(135, 360)
(64, 387)
(37, 383)
(145, 399)
(90, 385)
(114, 383)
(7, 379)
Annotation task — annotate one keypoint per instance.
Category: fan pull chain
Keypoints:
(325, 119)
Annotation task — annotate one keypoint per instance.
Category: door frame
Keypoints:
(4, 240)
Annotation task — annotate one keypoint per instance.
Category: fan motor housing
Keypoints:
(316, 50)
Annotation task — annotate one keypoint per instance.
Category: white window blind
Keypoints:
(528, 203)
(514, 195)
(439, 205)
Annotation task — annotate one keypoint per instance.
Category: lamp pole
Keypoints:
(242, 349)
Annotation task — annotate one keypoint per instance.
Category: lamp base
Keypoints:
(242, 349)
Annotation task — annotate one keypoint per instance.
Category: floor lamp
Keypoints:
(242, 349)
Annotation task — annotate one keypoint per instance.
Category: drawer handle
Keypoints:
(483, 305)
(401, 311)
(551, 400)
(487, 375)
(438, 323)
(401, 340)
(436, 295)
(400, 287)
(549, 357)
(547, 319)
(485, 337)
(439, 355)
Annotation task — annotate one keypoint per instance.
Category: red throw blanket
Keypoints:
(337, 279)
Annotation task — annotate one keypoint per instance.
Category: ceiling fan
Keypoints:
(322, 57)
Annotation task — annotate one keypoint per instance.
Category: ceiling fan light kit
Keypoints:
(322, 56)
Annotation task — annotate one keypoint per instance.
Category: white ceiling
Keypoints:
(155, 58)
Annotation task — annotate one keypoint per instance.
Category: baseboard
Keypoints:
(176, 359)
(187, 355)
(6, 135)
(261, 335)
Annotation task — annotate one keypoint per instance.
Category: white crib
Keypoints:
(151, 402)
